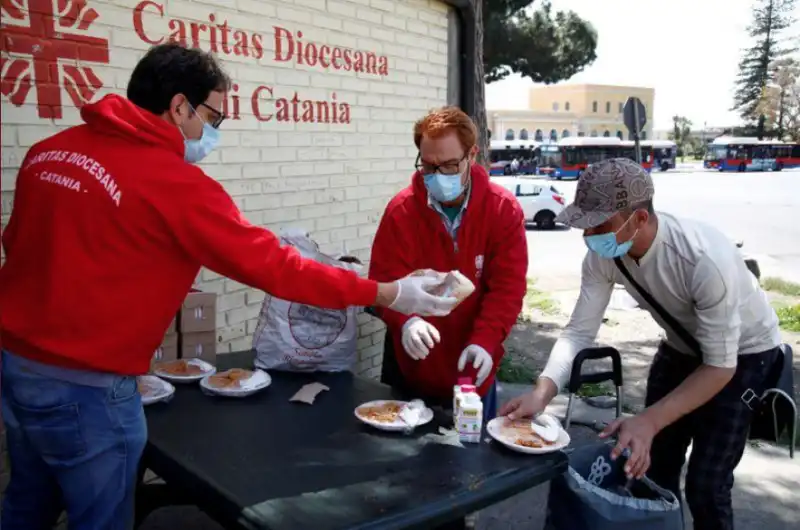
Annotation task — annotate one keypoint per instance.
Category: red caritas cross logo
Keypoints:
(36, 34)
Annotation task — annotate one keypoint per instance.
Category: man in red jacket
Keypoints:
(110, 226)
(452, 217)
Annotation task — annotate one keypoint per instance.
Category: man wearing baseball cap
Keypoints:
(727, 341)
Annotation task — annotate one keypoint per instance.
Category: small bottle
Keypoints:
(456, 391)
(469, 419)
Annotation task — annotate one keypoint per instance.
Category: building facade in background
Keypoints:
(563, 110)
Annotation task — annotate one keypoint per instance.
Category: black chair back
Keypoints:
(776, 411)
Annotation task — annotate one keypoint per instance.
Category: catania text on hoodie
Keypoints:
(82, 161)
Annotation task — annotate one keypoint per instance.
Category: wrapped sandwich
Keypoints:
(453, 284)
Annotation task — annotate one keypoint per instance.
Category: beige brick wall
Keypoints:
(334, 179)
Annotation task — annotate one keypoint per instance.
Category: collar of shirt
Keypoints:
(452, 226)
(654, 246)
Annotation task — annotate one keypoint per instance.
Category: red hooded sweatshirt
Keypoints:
(109, 229)
(490, 249)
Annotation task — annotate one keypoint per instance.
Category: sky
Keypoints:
(688, 50)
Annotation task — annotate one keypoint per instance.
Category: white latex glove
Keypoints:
(413, 297)
(419, 337)
(481, 361)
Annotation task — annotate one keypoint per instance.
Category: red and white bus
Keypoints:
(664, 153)
(502, 154)
(731, 153)
(571, 157)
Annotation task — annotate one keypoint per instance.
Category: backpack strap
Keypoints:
(685, 336)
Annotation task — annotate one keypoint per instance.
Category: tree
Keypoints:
(779, 101)
(536, 44)
(791, 109)
(480, 90)
(770, 18)
(682, 134)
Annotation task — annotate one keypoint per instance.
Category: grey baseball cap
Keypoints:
(604, 189)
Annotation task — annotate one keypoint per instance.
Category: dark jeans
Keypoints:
(717, 431)
(72, 447)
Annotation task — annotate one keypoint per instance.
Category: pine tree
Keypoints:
(540, 44)
(770, 17)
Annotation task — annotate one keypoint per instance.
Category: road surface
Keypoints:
(761, 209)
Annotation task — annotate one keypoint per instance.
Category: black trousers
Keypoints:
(717, 430)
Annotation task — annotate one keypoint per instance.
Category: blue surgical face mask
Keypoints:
(196, 150)
(444, 188)
(606, 246)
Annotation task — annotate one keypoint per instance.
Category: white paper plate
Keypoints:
(398, 425)
(208, 369)
(247, 387)
(162, 390)
(495, 430)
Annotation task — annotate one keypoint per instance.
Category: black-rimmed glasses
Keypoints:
(451, 167)
(219, 117)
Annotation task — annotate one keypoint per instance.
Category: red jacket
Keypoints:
(109, 229)
(492, 252)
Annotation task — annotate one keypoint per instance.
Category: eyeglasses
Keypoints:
(451, 167)
(220, 117)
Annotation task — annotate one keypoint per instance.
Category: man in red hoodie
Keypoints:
(110, 226)
(452, 217)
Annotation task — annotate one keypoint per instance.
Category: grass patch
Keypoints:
(789, 317)
(777, 285)
(514, 371)
(539, 300)
(590, 390)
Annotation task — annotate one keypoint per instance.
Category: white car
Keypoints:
(541, 203)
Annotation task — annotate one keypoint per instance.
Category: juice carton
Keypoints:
(469, 418)
(456, 392)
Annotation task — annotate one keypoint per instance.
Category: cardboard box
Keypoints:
(198, 313)
(202, 345)
(167, 350)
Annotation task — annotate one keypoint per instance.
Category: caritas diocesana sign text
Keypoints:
(40, 35)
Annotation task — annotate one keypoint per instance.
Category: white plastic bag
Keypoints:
(301, 338)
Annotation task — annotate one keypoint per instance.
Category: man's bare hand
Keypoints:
(635, 433)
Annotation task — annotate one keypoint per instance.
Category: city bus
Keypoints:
(731, 153)
(572, 155)
(664, 153)
(503, 152)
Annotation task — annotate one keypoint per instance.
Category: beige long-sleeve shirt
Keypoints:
(698, 275)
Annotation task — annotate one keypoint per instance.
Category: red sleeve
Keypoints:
(505, 282)
(213, 231)
(9, 234)
(388, 262)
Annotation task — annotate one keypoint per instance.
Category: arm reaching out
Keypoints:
(581, 331)
(212, 230)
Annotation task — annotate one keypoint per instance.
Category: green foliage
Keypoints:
(770, 18)
(515, 371)
(537, 299)
(682, 135)
(538, 44)
(590, 390)
(779, 285)
(789, 317)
